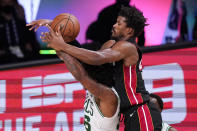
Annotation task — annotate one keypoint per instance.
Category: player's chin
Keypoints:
(113, 36)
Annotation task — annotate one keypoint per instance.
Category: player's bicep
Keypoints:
(121, 50)
(110, 55)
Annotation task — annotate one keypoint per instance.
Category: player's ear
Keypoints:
(130, 31)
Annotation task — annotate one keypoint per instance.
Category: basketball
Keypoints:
(69, 26)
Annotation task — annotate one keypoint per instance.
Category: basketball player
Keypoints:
(159, 103)
(140, 114)
(102, 103)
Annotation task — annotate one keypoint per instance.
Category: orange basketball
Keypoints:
(69, 26)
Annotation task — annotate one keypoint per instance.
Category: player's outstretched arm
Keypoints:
(108, 101)
(38, 23)
(120, 50)
(98, 90)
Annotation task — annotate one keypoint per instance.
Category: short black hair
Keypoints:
(158, 98)
(134, 19)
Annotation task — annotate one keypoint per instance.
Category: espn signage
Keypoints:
(49, 98)
(173, 76)
(39, 99)
(170, 85)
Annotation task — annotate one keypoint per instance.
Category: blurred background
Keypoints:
(170, 22)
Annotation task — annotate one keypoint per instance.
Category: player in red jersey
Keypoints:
(140, 114)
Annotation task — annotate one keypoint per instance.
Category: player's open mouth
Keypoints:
(113, 31)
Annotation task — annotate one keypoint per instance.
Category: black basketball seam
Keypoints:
(74, 29)
(73, 33)
(66, 24)
(59, 22)
(73, 26)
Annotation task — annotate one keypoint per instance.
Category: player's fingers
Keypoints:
(50, 29)
(58, 31)
(48, 45)
(30, 24)
(47, 35)
(43, 39)
(34, 26)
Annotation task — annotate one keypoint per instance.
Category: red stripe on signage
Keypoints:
(162, 82)
(167, 105)
(81, 120)
(165, 94)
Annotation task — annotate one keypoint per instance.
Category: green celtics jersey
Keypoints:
(94, 119)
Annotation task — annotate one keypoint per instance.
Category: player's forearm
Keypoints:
(86, 56)
(72, 65)
(97, 89)
(80, 74)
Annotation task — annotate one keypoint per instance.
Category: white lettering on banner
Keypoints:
(69, 89)
(8, 125)
(174, 72)
(32, 81)
(58, 78)
(2, 96)
(30, 122)
(57, 99)
(61, 123)
(19, 124)
(37, 86)
(1, 126)
(27, 101)
(78, 115)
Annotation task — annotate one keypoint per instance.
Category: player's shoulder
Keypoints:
(126, 44)
(108, 44)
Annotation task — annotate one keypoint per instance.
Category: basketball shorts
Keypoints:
(145, 117)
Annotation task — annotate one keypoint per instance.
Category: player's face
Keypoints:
(119, 28)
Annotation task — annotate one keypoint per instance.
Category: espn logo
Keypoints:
(52, 89)
(167, 81)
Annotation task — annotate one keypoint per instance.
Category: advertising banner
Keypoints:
(48, 98)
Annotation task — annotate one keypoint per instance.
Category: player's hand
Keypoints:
(53, 39)
(38, 23)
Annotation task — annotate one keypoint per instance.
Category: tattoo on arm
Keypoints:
(73, 65)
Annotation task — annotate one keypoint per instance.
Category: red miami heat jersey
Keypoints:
(129, 83)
